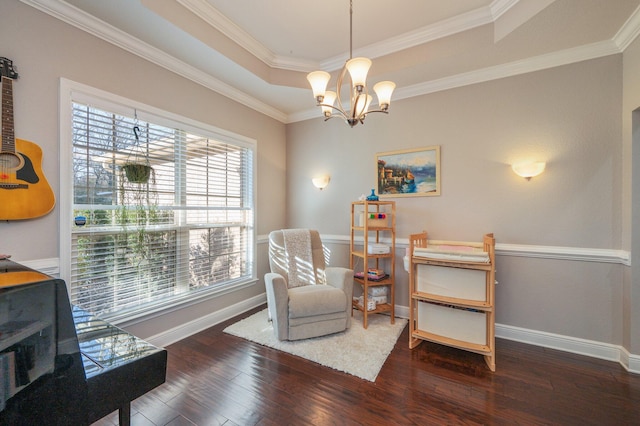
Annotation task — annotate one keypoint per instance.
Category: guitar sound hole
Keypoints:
(10, 161)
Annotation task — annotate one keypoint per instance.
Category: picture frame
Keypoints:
(409, 172)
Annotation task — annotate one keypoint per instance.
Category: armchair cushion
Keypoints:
(313, 300)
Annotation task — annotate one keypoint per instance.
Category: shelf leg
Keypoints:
(491, 362)
(413, 342)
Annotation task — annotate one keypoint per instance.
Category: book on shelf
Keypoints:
(371, 277)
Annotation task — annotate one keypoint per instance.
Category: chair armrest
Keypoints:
(278, 303)
(341, 278)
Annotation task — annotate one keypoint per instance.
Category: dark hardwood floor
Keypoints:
(214, 379)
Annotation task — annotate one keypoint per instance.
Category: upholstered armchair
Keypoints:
(305, 297)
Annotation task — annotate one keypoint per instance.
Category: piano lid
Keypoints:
(14, 274)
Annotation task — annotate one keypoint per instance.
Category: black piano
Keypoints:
(60, 365)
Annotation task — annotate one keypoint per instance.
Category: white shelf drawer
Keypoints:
(452, 282)
(459, 324)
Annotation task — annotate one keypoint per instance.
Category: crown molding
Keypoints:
(549, 60)
(537, 63)
(79, 19)
(205, 11)
(629, 31)
(499, 7)
(444, 28)
(65, 12)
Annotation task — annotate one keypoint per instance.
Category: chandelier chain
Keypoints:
(350, 29)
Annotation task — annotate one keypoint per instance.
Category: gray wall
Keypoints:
(568, 116)
(45, 49)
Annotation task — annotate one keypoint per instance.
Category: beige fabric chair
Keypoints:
(320, 304)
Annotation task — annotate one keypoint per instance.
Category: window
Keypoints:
(134, 245)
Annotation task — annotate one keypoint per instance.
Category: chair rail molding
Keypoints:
(583, 254)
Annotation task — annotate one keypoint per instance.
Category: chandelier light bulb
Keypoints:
(318, 81)
(383, 90)
(327, 103)
(361, 106)
(358, 69)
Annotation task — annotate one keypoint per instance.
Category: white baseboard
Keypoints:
(630, 362)
(170, 336)
(574, 345)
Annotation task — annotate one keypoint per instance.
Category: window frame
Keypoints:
(71, 92)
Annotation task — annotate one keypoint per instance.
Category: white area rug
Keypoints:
(357, 351)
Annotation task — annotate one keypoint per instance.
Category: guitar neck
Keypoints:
(8, 135)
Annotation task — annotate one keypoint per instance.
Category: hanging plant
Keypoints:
(137, 172)
(137, 168)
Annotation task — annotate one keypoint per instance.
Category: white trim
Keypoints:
(565, 253)
(65, 158)
(629, 31)
(175, 334)
(556, 341)
(205, 11)
(442, 29)
(402, 311)
(559, 342)
(499, 7)
(79, 19)
(630, 362)
(531, 251)
(75, 17)
(511, 69)
(574, 345)
(455, 24)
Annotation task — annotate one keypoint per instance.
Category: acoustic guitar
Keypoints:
(24, 190)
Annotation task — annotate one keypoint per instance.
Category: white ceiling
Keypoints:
(259, 51)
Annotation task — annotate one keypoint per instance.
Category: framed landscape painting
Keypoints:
(409, 173)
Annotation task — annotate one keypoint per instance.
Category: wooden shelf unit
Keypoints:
(373, 231)
(456, 305)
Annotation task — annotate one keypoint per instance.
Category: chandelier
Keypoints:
(359, 99)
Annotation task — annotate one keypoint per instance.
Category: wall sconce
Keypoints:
(321, 182)
(529, 170)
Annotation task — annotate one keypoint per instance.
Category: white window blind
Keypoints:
(186, 231)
